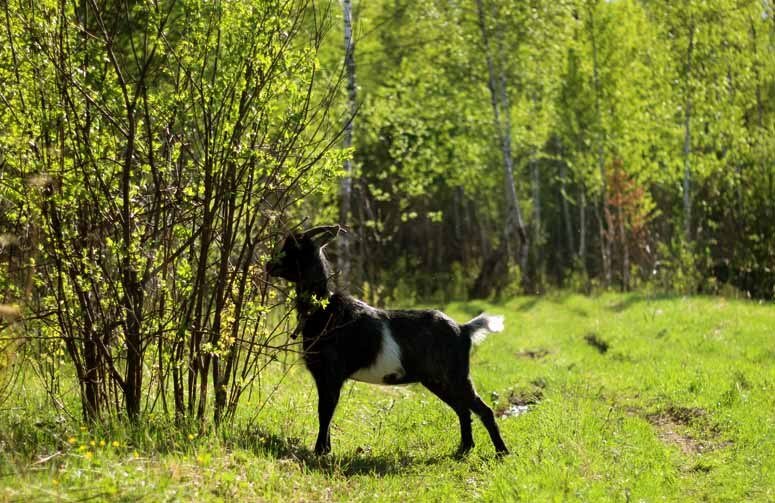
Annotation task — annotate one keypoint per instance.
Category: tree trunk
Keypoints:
(133, 289)
(494, 272)
(536, 188)
(514, 226)
(760, 117)
(687, 150)
(625, 251)
(344, 257)
(566, 211)
(583, 231)
(134, 342)
(605, 235)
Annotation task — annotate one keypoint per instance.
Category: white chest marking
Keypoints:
(388, 362)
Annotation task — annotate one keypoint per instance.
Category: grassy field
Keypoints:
(610, 398)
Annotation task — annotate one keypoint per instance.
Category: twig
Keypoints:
(46, 458)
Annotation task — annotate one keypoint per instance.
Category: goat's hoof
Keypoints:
(501, 453)
(463, 451)
(322, 451)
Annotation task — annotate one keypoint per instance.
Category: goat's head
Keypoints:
(300, 256)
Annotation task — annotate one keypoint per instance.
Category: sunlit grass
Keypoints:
(677, 407)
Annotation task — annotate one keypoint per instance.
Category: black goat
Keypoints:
(344, 338)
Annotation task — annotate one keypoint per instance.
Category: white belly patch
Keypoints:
(388, 362)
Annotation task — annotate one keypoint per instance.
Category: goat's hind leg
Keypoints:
(463, 413)
(485, 413)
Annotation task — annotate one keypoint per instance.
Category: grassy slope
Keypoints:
(680, 406)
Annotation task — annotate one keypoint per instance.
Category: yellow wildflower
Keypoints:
(71, 440)
(115, 443)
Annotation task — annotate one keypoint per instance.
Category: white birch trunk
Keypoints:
(500, 105)
(346, 184)
(605, 238)
(566, 210)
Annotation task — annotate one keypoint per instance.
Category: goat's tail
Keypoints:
(484, 324)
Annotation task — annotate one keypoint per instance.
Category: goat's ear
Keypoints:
(324, 234)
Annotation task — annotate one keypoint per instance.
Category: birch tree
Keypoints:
(514, 231)
(345, 256)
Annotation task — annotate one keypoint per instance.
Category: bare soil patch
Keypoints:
(671, 425)
(520, 400)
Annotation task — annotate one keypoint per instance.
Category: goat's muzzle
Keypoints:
(272, 268)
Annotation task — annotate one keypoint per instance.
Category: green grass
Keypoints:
(681, 406)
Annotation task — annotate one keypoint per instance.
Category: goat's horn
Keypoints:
(334, 229)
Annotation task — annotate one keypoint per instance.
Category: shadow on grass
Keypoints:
(636, 298)
(360, 462)
(529, 304)
(557, 298)
(473, 308)
(476, 307)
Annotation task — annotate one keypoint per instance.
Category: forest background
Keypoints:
(154, 153)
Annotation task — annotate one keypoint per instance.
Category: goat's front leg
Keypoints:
(328, 396)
